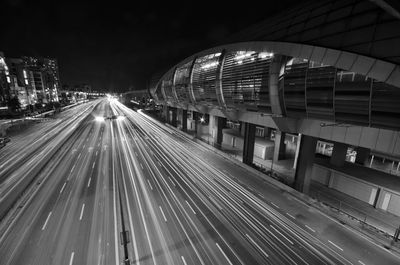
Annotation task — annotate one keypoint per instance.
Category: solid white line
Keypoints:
(291, 215)
(335, 245)
(148, 181)
(71, 260)
(62, 188)
(83, 207)
(183, 260)
(93, 164)
(362, 263)
(162, 212)
(223, 253)
(281, 234)
(88, 184)
(190, 207)
(47, 219)
(309, 228)
(255, 243)
(275, 205)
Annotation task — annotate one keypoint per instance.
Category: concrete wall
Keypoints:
(388, 200)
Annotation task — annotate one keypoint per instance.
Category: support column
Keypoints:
(221, 124)
(362, 155)
(338, 154)
(305, 163)
(184, 120)
(280, 146)
(166, 113)
(296, 156)
(174, 117)
(196, 121)
(249, 140)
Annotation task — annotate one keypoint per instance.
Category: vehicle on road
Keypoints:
(3, 141)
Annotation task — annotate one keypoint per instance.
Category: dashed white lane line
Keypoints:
(45, 223)
(141, 166)
(223, 253)
(88, 184)
(162, 212)
(148, 181)
(291, 216)
(83, 207)
(62, 188)
(93, 164)
(275, 205)
(190, 206)
(96, 152)
(172, 181)
(258, 246)
(183, 260)
(79, 155)
(84, 146)
(309, 228)
(335, 245)
(136, 153)
(71, 260)
(276, 230)
(362, 263)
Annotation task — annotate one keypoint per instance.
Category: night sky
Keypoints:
(116, 46)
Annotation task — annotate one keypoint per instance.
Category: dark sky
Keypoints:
(116, 46)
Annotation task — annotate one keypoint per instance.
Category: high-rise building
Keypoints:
(4, 82)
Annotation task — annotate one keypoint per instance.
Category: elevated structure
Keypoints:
(323, 72)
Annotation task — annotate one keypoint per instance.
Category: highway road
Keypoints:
(133, 189)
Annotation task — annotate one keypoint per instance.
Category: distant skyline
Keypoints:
(121, 46)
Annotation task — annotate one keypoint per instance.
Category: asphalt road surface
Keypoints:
(105, 191)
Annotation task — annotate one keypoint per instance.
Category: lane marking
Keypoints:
(162, 212)
(96, 152)
(141, 166)
(88, 184)
(223, 253)
(62, 188)
(183, 260)
(84, 146)
(335, 245)
(71, 260)
(172, 181)
(83, 207)
(309, 228)
(276, 230)
(255, 243)
(93, 164)
(148, 181)
(291, 215)
(190, 207)
(79, 155)
(362, 263)
(136, 153)
(275, 205)
(45, 223)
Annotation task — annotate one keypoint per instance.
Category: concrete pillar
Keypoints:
(338, 154)
(166, 113)
(174, 117)
(296, 156)
(279, 148)
(196, 121)
(305, 163)
(184, 120)
(362, 155)
(221, 124)
(249, 140)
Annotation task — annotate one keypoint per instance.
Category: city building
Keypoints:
(314, 90)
